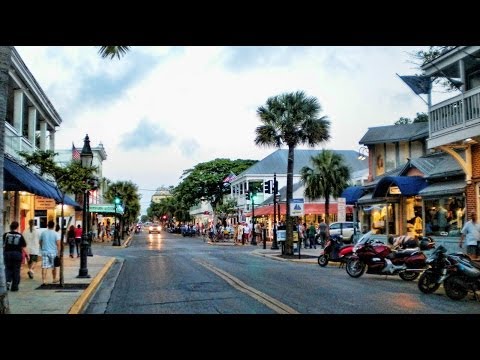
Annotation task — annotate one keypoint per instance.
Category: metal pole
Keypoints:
(275, 185)
(83, 271)
(254, 241)
(115, 242)
(89, 226)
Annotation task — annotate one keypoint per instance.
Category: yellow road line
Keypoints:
(272, 303)
(77, 307)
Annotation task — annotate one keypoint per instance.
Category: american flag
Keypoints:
(229, 178)
(75, 153)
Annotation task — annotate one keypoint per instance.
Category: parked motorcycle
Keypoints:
(380, 259)
(464, 277)
(439, 267)
(335, 251)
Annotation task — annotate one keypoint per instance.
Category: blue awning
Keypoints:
(352, 194)
(18, 177)
(408, 185)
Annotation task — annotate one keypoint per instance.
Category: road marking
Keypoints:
(272, 303)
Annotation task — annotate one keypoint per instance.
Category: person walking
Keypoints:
(71, 239)
(322, 227)
(13, 244)
(311, 236)
(471, 235)
(31, 237)
(78, 238)
(50, 247)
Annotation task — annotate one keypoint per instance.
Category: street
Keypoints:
(170, 274)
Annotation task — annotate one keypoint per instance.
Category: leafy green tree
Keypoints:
(205, 181)
(69, 179)
(403, 121)
(328, 177)
(421, 117)
(144, 218)
(226, 209)
(291, 119)
(113, 51)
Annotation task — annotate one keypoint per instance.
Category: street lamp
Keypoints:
(362, 153)
(116, 237)
(275, 189)
(86, 158)
(254, 240)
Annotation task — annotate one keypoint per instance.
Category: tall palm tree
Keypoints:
(112, 51)
(328, 177)
(291, 119)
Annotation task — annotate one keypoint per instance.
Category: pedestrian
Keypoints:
(311, 236)
(471, 234)
(13, 244)
(31, 237)
(78, 238)
(50, 247)
(322, 227)
(71, 239)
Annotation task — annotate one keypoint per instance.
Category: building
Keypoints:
(161, 193)
(454, 124)
(30, 125)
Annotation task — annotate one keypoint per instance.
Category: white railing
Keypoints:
(451, 113)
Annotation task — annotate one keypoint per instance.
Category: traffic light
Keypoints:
(268, 186)
(247, 195)
(117, 200)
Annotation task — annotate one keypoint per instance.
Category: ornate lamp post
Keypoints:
(254, 240)
(275, 186)
(116, 236)
(86, 158)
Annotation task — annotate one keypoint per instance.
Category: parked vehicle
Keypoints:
(335, 251)
(380, 259)
(464, 276)
(439, 265)
(345, 228)
(154, 228)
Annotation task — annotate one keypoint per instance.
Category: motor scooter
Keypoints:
(335, 251)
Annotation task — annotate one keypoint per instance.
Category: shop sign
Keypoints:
(341, 209)
(394, 190)
(43, 203)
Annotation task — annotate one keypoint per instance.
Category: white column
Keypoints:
(32, 124)
(52, 139)
(18, 110)
(43, 134)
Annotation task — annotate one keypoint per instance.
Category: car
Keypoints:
(154, 228)
(345, 229)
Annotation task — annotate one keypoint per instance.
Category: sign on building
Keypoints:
(342, 209)
(297, 207)
(43, 203)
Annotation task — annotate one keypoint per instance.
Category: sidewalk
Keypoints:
(306, 255)
(33, 299)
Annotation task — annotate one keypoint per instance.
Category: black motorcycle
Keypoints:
(464, 277)
(438, 264)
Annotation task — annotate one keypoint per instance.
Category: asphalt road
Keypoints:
(170, 274)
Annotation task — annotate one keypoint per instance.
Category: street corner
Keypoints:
(80, 303)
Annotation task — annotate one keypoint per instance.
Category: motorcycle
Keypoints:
(440, 266)
(335, 251)
(464, 277)
(380, 259)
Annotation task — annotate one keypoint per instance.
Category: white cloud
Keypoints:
(200, 102)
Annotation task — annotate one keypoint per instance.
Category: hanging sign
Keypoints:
(43, 203)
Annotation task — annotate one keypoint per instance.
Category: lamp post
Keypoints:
(86, 158)
(254, 240)
(116, 237)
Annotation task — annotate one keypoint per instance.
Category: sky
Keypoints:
(161, 110)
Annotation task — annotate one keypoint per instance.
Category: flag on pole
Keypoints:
(229, 178)
(419, 84)
(75, 153)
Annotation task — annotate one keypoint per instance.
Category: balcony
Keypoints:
(451, 121)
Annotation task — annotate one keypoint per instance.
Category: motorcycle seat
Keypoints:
(405, 253)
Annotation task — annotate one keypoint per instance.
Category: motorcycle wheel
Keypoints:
(322, 260)
(427, 283)
(355, 268)
(408, 275)
(454, 289)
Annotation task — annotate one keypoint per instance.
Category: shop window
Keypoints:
(444, 216)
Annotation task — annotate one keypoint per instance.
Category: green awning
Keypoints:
(106, 208)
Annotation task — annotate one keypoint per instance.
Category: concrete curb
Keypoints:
(78, 306)
(127, 242)
(275, 257)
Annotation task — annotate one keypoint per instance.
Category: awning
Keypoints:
(352, 194)
(313, 208)
(17, 177)
(408, 185)
(106, 208)
(454, 187)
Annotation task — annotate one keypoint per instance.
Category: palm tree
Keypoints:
(112, 51)
(291, 119)
(329, 177)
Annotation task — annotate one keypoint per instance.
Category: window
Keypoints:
(444, 216)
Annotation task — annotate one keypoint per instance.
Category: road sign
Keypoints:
(297, 207)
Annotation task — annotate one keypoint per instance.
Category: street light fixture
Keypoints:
(86, 158)
(254, 240)
(362, 153)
